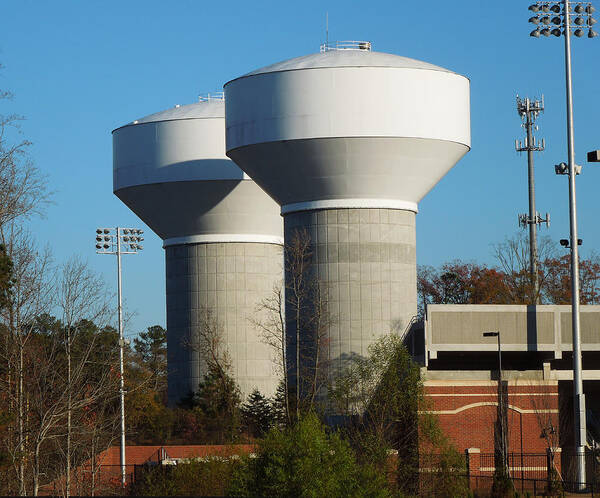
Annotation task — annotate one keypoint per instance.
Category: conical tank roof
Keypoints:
(348, 128)
(170, 168)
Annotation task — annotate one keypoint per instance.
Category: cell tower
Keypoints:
(529, 111)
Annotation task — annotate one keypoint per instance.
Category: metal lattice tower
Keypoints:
(529, 111)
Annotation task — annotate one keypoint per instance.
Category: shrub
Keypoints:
(190, 478)
(305, 461)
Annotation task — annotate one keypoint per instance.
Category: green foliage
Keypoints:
(279, 406)
(503, 485)
(305, 461)
(217, 407)
(189, 478)
(151, 354)
(555, 487)
(382, 399)
(149, 420)
(257, 414)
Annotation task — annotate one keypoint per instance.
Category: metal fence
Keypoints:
(520, 465)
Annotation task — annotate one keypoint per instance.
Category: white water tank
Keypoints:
(221, 233)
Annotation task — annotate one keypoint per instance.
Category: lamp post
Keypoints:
(503, 428)
(562, 12)
(112, 241)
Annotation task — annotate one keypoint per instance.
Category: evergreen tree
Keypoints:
(151, 352)
(279, 406)
(304, 460)
(257, 414)
(218, 400)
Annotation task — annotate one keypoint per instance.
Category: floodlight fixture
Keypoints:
(555, 8)
(534, 20)
(579, 9)
(590, 9)
(556, 32)
(545, 20)
(592, 33)
(534, 8)
(535, 33)
(579, 21)
(557, 20)
(564, 242)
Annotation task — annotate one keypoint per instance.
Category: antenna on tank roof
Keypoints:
(327, 28)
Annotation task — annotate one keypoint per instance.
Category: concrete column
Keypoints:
(366, 260)
(230, 279)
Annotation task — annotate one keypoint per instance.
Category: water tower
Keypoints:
(221, 233)
(348, 141)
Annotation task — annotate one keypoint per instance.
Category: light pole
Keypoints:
(503, 428)
(562, 21)
(111, 241)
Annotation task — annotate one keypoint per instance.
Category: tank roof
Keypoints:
(346, 58)
(214, 108)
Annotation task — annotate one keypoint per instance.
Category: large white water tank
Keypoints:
(348, 141)
(221, 233)
(348, 128)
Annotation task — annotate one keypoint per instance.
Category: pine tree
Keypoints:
(280, 407)
(257, 414)
(218, 399)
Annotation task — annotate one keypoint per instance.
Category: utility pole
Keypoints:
(529, 111)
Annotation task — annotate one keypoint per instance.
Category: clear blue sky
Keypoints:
(80, 69)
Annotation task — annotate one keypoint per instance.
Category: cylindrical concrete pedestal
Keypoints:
(366, 261)
(229, 279)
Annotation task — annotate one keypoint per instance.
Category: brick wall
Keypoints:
(468, 412)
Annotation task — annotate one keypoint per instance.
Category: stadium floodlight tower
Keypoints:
(222, 236)
(348, 141)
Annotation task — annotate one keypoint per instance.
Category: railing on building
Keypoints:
(346, 45)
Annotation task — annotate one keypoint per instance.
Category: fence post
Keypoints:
(473, 465)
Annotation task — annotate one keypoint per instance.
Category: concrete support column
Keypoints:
(229, 279)
(366, 261)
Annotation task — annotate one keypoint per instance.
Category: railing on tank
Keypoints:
(346, 45)
(212, 96)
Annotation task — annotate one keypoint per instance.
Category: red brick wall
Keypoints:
(467, 412)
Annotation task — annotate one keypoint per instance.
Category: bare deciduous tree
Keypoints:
(23, 188)
(307, 315)
(270, 321)
(513, 257)
(81, 298)
(31, 296)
